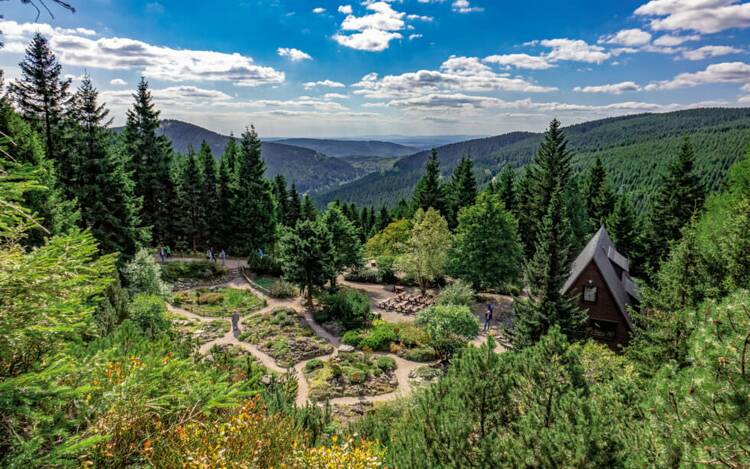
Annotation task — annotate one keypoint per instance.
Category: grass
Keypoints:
(285, 336)
(197, 270)
(265, 281)
(222, 302)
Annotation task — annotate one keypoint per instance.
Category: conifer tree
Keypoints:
(231, 154)
(282, 198)
(623, 228)
(225, 195)
(347, 249)
(104, 190)
(384, 219)
(295, 207)
(209, 195)
(307, 255)
(308, 209)
(598, 197)
(192, 214)
(254, 218)
(680, 196)
(505, 188)
(42, 96)
(150, 162)
(463, 188)
(429, 192)
(546, 274)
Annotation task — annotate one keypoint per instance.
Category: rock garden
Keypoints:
(202, 332)
(218, 302)
(350, 374)
(191, 274)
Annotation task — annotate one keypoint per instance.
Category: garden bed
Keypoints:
(184, 275)
(285, 336)
(201, 332)
(407, 340)
(240, 364)
(218, 302)
(425, 375)
(350, 374)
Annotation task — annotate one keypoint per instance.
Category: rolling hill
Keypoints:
(635, 150)
(308, 169)
(345, 148)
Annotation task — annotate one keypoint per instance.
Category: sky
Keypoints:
(325, 68)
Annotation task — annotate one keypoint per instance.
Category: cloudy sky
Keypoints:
(326, 68)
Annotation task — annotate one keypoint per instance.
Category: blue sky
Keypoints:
(324, 68)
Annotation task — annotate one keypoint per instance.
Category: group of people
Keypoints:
(164, 253)
(211, 255)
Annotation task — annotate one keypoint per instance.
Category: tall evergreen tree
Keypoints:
(598, 197)
(384, 219)
(429, 192)
(104, 190)
(546, 273)
(209, 195)
(624, 229)
(193, 214)
(231, 154)
(680, 196)
(308, 209)
(42, 97)
(295, 207)
(255, 221)
(226, 195)
(150, 161)
(463, 189)
(347, 249)
(281, 195)
(505, 188)
(307, 255)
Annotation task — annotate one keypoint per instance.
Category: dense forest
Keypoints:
(97, 369)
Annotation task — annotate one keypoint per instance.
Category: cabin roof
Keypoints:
(601, 250)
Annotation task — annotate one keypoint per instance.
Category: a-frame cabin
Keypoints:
(601, 281)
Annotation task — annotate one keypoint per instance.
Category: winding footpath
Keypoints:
(403, 367)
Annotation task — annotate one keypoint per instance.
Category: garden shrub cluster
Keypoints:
(264, 265)
(408, 340)
(222, 302)
(347, 307)
(282, 289)
(194, 270)
(351, 374)
(456, 293)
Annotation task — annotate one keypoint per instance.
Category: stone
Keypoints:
(346, 348)
(266, 380)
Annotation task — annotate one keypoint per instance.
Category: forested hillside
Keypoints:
(633, 149)
(343, 148)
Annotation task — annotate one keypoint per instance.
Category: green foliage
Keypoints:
(222, 302)
(307, 255)
(282, 289)
(391, 241)
(624, 228)
(149, 314)
(425, 255)
(598, 197)
(264, 265)
(347, 250)
(348, 307)
(461, 190)
(487, 250)
(457, 293)
(430, 192)
(380, 337)
(191, 270)
(450, 327)
(143, 275)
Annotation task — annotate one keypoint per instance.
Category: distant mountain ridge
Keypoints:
(634, 148)
(345, 148)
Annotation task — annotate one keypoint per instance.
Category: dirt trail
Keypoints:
(376, 293)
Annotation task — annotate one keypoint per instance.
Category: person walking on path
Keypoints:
(168, 251)
(161, 254)
(235, 323)
(488, 317)
(223, 256)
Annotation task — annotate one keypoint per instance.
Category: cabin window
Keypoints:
(605, 330)
(589, 294)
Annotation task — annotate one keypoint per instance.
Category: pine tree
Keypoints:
(308, 209)
(598, 197)
(506, 189)
(307, 255)
(384, 219)
(231, 154)
(295, 207)
(623, 228)
(254, 213)
(226, 195)
(282, 199)
(209, 195)
(42, 97)
(193, 213)
(680, 196)
(347, 249)
(429, 192)
(104, 190)
(150, 162)
(546, 274)
(463, 189)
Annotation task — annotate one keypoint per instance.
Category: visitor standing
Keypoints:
(488, 317)
(223, 256)
(168, 251)
(161, 254)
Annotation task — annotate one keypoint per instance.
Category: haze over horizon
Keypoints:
(341, 69)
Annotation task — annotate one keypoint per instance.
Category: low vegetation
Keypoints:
(407, 340)
(350, 374)
(191, 271)
(343, 310)
(220, 302)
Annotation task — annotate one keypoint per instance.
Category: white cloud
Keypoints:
(118, 82)
(164, 63)
(628, 37)
(615, 88)
(727, 72)
(373, 32)
(525, 61)
(574, 50)
(414, 36)
(464, 6)
(335, 96)
(704, 16)
(371, 40)
(345, 9)
(295, 55)
(323, 83)
(319, 10)
(709, 51)
(670, 40)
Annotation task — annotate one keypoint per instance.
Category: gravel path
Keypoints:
(376, 292)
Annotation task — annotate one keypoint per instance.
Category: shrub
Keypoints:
(363, 275)
(457, 293)
(348, 307)
(264, 265)
(143, 275)
(313, 365)
(355, 375)
(282, 289)
(380, 337)
(352, 338)
(199, 270)
(449, 327)
(386, 363)
(412, 336)
(387, 268)
(421, 354)
(148, 312)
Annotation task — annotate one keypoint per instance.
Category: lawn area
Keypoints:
(221, 302)
(196, 270)
(285, 336)
(265, 281)
(350, 374)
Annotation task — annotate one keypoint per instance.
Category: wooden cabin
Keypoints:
(601, 281)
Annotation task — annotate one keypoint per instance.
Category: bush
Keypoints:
(313, 365)
(412, 336)
(449, 327)
(457, 293)
(149, 313)
(194, 270)
(143, 275)
(421, 354)
(355, 375)
(282, 289)
(264, 265)
(348, 307)
(387, 268)
(352, 338)
(386, 363)
(363, 275)
(380, 337)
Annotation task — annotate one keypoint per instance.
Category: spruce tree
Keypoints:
(463, 189)
(104, 190)
(623, 228)
(150, 162)
(210, 196)
(384, 219)
(231, 154)
(429, 192)
(295, 207)
(680, 196)
(254, 213)
(505, 188)
(282, 199)
(307, 255)
(42, 97)
(308, 209)
(546, 274)
(598, 197)
(225, 195)
(193, 215)
(347, 249)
